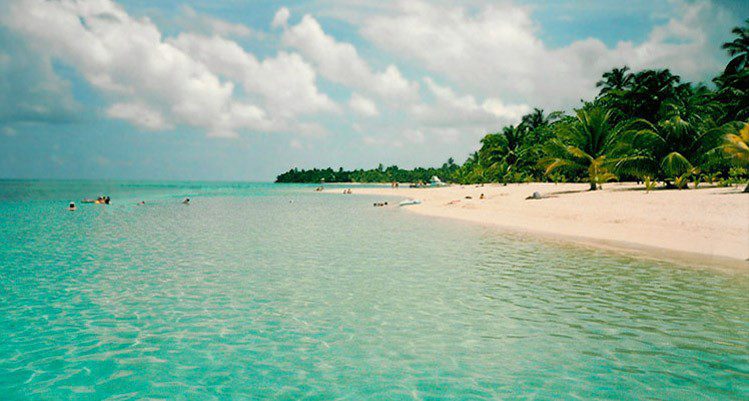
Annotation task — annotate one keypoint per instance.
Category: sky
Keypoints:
(245, 90)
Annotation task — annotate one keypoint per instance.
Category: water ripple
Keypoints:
(246, 295)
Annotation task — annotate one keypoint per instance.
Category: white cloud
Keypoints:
(281, 18)
(379, 141)
(473, 66)
(159, 83)
(414, 136)
(451, 109)
(340, 62)
(286, 82)
(363, 105)
(296, 144)
(497, 51)
(29, 88)
(446, 115)
(195, 21)
(138, 114)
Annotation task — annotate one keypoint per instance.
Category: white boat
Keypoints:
(409, 202)
(436, 182)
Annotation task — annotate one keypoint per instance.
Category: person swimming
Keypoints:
(105, 200)
(186, 201)
(72, 207)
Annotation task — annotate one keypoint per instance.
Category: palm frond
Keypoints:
(736, 145)
(579, 153)
(674, 164)
(553, 164)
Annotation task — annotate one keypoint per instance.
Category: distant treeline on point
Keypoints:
(647, 126)
(375, 175)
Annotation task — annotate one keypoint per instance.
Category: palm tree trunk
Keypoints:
(593, 186)
(746, 189)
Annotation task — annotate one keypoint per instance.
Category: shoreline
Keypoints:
(709, 225)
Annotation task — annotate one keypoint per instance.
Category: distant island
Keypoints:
(646, 126)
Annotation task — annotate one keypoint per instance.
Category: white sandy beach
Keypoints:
(709, 223)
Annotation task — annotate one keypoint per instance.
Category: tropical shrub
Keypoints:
(589, 143)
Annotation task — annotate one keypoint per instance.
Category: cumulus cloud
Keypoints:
(472, 67)
(29, 88)
(281, 18)
(363, 106)
(198, 22)
(160, 83)
(286, 82)
(139, 114)
(451, 109)
(340, 62)
(497, 50)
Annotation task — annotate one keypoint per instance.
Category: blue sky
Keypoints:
(236, 90)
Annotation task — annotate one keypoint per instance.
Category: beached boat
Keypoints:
(436, 182)
(409, 202)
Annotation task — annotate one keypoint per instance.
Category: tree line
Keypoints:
(648, 126)
(376, 175)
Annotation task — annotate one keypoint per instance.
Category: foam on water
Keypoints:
(262, 291)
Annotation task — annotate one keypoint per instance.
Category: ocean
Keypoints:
(266, 291)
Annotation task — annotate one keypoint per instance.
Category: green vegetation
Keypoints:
(590, 143)
(647, 126)
(736, 145)
(380, 174)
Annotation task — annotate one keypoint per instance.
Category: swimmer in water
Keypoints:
(72, 207)
(186, 201)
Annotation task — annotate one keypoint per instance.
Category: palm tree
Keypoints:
(535, 119)
(692, 102)
(489, 155)
(733, 95)
(590, 142)
(736, 145)
(650, 89)
(618, 79)
(503, 153)
(533, 122)
(512, 142)
(738, 49)
(733, 83)
(672, 150)
(637, 95)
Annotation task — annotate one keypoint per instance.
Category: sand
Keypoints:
(709, 223)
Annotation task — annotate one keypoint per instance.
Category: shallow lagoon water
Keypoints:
(260, 291)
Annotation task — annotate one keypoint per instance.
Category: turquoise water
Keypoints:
(258, 291)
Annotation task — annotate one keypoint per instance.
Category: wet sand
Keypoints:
(707, 223)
